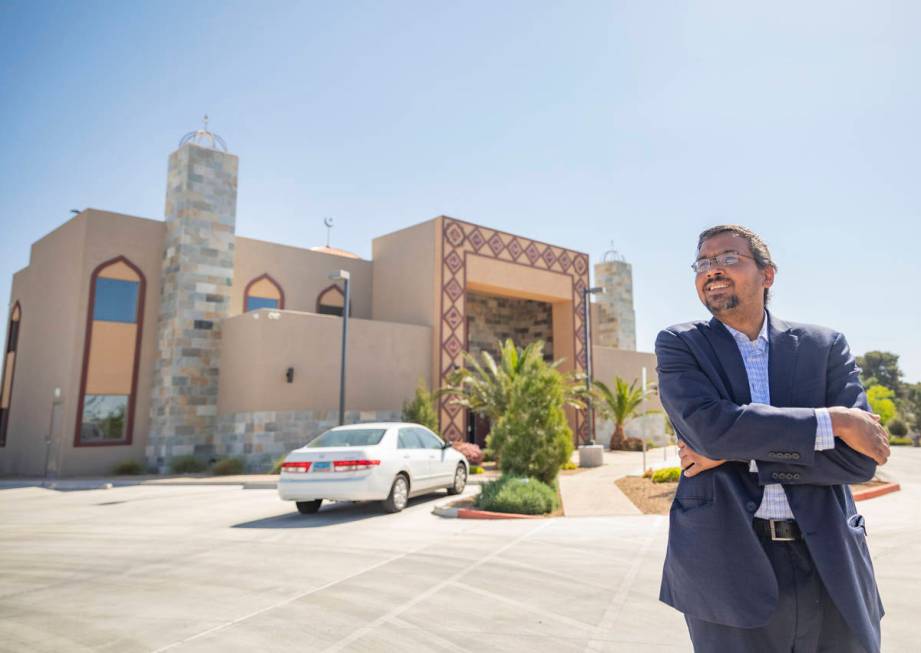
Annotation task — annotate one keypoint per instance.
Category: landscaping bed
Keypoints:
(656, 498)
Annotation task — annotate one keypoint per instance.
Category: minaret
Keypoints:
(616, 318)
(195, 283)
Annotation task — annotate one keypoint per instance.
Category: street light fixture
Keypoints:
(343, 276)
(586, 321)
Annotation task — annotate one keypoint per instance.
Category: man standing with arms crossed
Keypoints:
(766, 550)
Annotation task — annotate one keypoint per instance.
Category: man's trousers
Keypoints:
(806, 620)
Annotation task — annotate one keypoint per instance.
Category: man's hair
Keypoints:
(758, 247)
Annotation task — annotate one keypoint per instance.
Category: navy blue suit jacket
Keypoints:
(715, 567)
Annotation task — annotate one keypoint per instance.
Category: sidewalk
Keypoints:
(592, 493)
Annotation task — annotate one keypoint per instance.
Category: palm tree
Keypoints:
(484, 387)
(619, 405)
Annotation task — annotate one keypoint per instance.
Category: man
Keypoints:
(766, 550)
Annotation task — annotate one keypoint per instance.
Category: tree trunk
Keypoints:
(617, 438)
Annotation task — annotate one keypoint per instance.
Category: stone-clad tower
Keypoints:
(616, 317)
(196, 278)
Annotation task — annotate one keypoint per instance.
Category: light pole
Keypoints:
(586, 321)
(343, 276)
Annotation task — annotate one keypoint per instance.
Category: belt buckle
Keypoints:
(774, 537)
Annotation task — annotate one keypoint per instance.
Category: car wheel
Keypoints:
(399, 495)
(460, 480)
(308, 507)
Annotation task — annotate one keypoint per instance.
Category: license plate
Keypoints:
(321, 466)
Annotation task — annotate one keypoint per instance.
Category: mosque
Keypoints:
(141, 339)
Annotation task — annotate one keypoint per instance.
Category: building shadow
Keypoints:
(339, 512)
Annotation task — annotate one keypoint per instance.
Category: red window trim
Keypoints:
(281, 291)
(335, 287)
(139, 321)
(5, 419)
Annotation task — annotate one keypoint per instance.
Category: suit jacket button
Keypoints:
(794, 456)
(775, 476)
(751, 506)
(788, 455)
(796, 476)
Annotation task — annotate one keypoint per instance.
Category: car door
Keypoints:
(411, 449)
(442, 465)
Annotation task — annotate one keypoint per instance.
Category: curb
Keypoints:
(472, 513)
(872, 493)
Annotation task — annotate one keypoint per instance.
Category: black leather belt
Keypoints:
(778, 530)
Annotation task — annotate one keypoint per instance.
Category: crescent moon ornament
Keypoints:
(328, 222)
(329, 227)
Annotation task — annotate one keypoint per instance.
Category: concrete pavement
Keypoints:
(186, 568)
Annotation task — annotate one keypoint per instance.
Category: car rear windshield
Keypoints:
(348, 438)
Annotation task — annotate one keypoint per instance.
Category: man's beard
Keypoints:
(722, 305)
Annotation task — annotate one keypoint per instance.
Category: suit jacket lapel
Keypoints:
(782, 361)
(730, 360)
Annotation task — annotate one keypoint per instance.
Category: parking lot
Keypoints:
(153, 568)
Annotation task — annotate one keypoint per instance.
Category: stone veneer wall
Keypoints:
(616, 319)
(260, 438)
(491, 318)
(196, 280)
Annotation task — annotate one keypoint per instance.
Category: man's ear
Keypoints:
(768, 274)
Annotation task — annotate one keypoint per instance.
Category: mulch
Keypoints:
(656, 498)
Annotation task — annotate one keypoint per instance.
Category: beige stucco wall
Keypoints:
(385, 362)
(608, 362)
(54, 293)
(301, 273)
(405, 287)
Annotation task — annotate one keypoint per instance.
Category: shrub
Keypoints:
(900, 442)
(569, 465)
(666, 475)
(228, 467)
(476, 469)
(897, 427)
(421, 409)
(276, 466)
(526, 496)
(128, 468)
(186, 465)
(631, 444)
(532, 438)
(471, 452)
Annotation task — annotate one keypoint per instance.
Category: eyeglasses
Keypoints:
(725, 260)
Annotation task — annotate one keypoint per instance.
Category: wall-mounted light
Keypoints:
(289, 375)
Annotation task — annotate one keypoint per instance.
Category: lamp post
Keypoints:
(343, 276)
(586, 321)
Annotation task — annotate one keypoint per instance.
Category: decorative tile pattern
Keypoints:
(460, 238)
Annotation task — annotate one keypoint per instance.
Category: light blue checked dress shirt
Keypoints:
(755, 354)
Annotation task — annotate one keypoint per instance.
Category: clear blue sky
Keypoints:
(578, 123)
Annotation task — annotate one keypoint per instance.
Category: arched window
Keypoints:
(263, 292)
(9, 366)
(108, 386)
(331, 300)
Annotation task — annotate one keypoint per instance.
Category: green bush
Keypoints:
(421, 409)
(899, 442)
(533, 438)
(897, 427)
(187, 465)
(525, 496)
(568, 465)
(128, 468)
(666, 475)
(476, 469)
(228, 467)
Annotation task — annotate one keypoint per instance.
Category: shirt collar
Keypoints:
(741, 337)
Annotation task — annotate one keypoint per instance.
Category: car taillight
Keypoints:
(295, 468)
(353, 465)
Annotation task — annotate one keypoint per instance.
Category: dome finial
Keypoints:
(204, 138)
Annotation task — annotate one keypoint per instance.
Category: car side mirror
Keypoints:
(446, 445)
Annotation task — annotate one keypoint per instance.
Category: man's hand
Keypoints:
(692, 462)
(861, 431)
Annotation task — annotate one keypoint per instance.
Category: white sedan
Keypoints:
(385, 461)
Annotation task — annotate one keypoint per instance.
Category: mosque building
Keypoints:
(137, 339)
